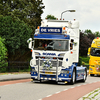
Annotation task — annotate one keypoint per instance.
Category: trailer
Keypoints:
(55, 52)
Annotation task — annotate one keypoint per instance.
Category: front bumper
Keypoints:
(94, 70)
(61, 77)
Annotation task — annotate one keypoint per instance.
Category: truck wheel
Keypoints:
(85, 75)
(73, 77)
(37, 81)
(91, 74)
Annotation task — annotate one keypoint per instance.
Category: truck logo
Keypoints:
(53, 54)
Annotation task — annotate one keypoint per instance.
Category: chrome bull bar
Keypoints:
(57, 60)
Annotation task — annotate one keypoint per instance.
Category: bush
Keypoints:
(80, 61)
(3, 56)
(85, 60)
(16, 33)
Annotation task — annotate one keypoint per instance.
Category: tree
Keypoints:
(97, 34)
(88, 31)
(16, 33)
(84, 44)
(51, 17)
(15, 29)
(28, 11)
(3, 54)
(86, 39)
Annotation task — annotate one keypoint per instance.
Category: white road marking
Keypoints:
(58, 92)
(48, 95)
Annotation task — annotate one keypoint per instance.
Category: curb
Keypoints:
(95, 94)
(11, 77)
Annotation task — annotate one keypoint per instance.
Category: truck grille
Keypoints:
(98, 42)
(54, 63)
(97, 68)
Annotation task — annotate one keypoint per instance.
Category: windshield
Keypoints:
(95, 52)
(57, 45)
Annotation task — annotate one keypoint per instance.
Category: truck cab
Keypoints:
(94, 54)
(55, 53)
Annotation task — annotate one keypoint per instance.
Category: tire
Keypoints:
(37, 81)
(73, 80)
(85, 76)
(91, 74)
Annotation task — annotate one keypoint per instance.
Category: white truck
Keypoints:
(55, 52)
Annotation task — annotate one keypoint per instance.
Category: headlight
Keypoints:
(91, 69)
(64, 71)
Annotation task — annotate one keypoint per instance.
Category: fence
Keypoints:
(16, 66)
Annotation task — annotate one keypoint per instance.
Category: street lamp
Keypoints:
(67, 11)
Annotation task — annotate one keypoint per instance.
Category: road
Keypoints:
(26, 90)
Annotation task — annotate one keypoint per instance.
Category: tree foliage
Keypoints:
(13, 27)
(15, 33)
(51, 17)
(27, 10)
(86, 39)
(97, 34)
(3, 53)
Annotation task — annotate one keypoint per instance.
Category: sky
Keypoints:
(87, 12)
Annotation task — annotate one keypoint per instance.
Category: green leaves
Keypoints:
(18, 20)
(51, 17)
(15, 32)
(3, 53)
(25, 10)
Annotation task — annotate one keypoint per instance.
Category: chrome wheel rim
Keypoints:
(73, 76)
(84, 75)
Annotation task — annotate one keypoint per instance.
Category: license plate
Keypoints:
(48, 72)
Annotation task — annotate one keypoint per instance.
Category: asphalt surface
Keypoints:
(9, 77)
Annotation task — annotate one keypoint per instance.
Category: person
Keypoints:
(40, 44)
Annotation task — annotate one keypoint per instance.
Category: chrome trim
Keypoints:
(64, 78)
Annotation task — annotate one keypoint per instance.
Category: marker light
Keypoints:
(38, 27)
(97, 37)
(31, 50)
(54, 58)
(69, 75)
(64, 28)
(37, 30)
(35, 34)
(71, 52)
(65, 36)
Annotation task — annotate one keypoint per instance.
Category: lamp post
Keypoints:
(67, 11)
